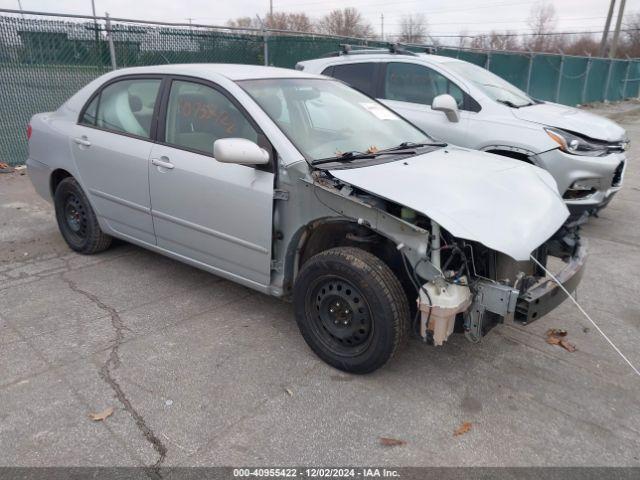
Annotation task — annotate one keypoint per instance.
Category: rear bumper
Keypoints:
(544, 297)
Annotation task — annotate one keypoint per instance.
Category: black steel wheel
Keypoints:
(351, 309)
(76, 219)
(344, 322)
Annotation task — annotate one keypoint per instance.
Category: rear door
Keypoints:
(409, 89)
(111, 145)
(217, 214)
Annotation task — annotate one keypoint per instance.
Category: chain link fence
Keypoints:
(43, 61)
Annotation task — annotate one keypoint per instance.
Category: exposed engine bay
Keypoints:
(460, 284)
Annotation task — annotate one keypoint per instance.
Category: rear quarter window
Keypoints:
(360, 76)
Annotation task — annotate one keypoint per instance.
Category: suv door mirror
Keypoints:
(240, 151)
(447, 104)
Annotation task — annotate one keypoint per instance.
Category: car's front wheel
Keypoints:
(351, 309)
(77, 221)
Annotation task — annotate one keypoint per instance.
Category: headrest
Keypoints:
(272, 105)
(135, 103)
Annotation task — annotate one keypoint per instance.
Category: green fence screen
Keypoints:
(43, 62)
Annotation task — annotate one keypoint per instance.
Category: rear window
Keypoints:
(359, 75)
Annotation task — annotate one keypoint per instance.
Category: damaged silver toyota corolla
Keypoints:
(300, 187)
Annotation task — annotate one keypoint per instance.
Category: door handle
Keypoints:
(84, 141)
(164, 163)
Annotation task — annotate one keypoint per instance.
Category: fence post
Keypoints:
(487, 62)
(626, 78)
(586, 80)
(112, 49)
(560, 76)
(265, 41)
(606, 84)
(265, 36)
(531, 55)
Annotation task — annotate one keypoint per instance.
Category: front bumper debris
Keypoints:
(493, 302)
(544, 297)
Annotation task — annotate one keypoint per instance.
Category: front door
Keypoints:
(111, 146)
(217, 214)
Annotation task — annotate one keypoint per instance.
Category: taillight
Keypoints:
(29, 130)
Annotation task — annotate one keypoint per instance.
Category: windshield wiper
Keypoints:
(411, 145)
(343, 157)
(355, 155)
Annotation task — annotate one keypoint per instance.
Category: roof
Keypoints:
(366, 57)
(229, 70)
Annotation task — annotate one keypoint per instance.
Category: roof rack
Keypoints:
(394, 48)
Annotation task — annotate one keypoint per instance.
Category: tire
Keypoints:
(351, 309)
(77, 221)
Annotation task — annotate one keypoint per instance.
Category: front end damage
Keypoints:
(460, 284)
(479, 288)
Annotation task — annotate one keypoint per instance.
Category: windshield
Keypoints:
(325, 118)
(492, 85)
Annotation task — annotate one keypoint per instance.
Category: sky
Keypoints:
(444, 17)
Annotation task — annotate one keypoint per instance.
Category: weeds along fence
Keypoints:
(45, 58)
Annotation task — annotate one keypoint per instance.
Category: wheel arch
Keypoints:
(517, 153)
(56, 177)
(329, 232)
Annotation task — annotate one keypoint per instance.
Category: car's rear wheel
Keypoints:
(351, 309)
(77, 221)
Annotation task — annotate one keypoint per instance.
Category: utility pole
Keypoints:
(616, 33)
(605, 33)
(112, 48)
(271, 9)
(95, 26)
(382, 26)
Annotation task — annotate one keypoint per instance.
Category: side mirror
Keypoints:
(240, 151)
(447, 104)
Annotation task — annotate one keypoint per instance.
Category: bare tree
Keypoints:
(496, 41)
(413, 29)
(244, 22)
(584, 44)
(290, 21)
(631, 45)
(347, 22)
(542, 21)
(464, 40)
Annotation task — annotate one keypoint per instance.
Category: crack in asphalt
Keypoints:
(106, 373)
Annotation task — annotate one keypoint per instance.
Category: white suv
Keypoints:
(466, 105)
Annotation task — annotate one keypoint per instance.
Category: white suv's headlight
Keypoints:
(575, 145)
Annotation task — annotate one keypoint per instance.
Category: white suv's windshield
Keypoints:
(325, 118)
(495, 87)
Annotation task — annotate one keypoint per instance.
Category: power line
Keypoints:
(544, 34)
(386, 4)
(431, 24)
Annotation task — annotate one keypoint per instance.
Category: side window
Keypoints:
(198, 115)
(360, 76)
(126, 106)
(89, 116)
(413, 83)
